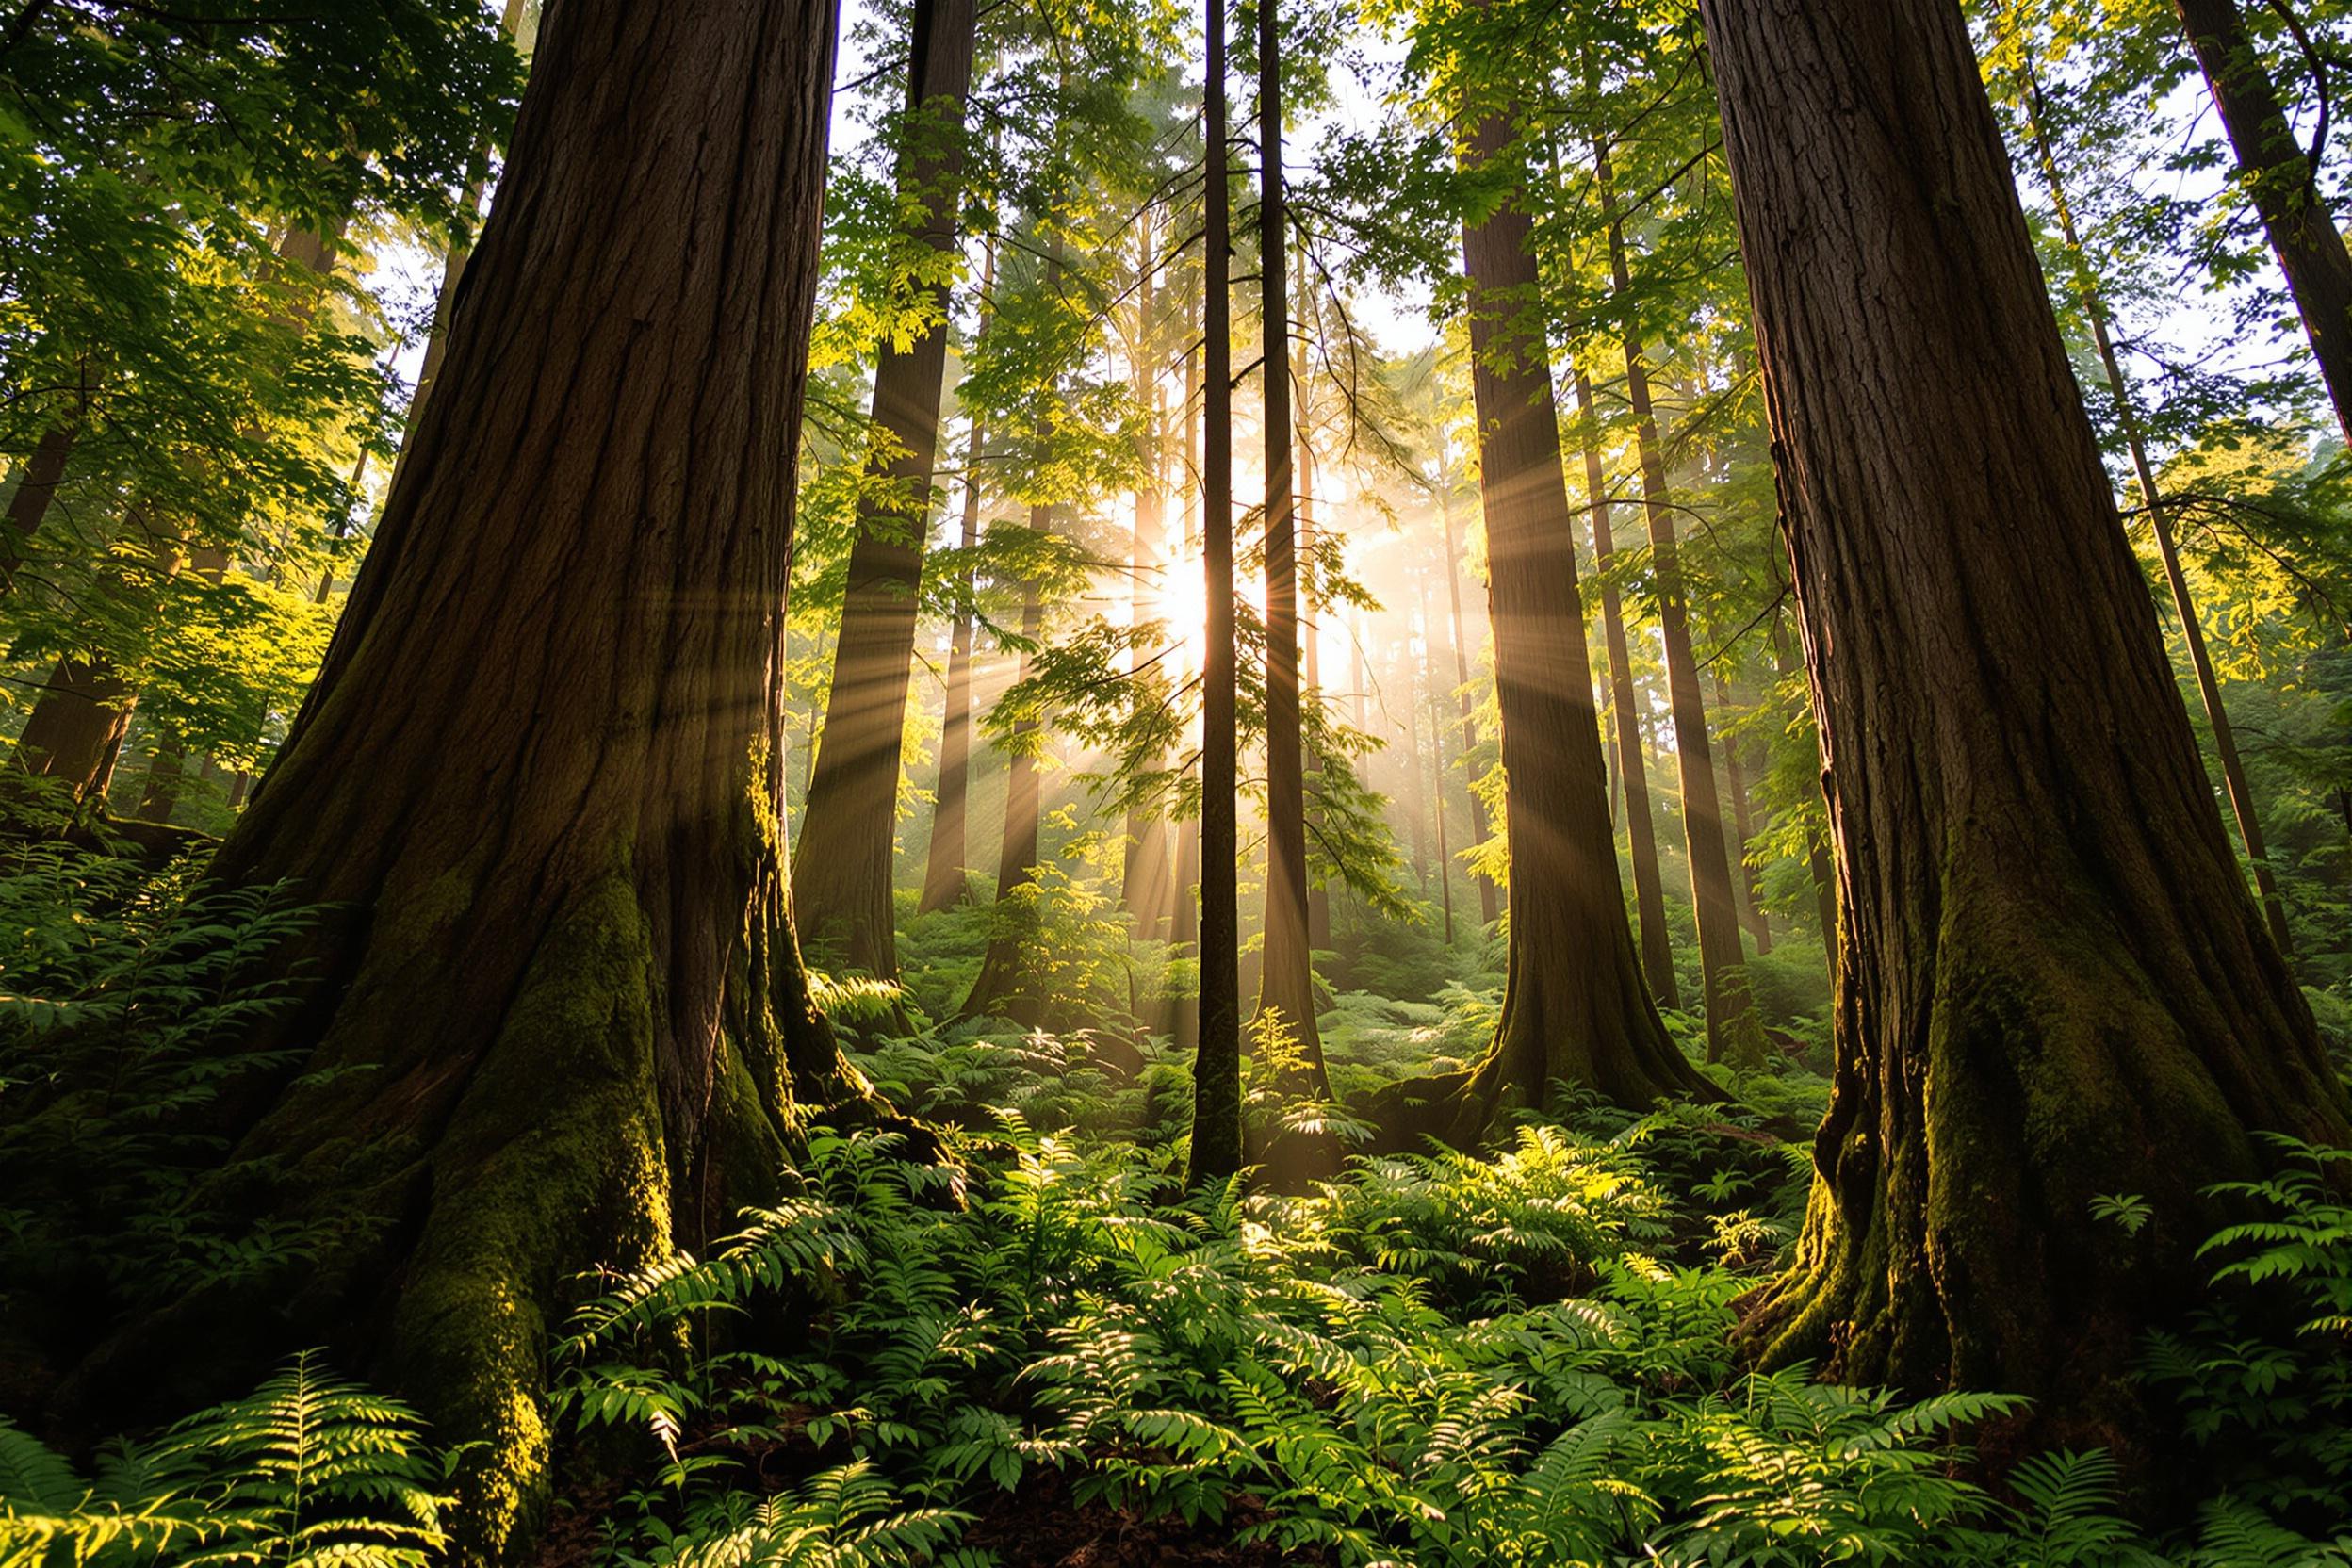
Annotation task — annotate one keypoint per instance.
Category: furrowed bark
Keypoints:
(554, 1014)
(2053, 984)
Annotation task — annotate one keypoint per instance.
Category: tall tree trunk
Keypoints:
(29, 507)
(943, 879)
(2055, 984)
(1490, 909)
(74, 732)
(1007, 985)
(1575, 1007)
(1286, 971)
(1311, 664)
(1732, 1033)
(1424, 683)
(1144, 886)
(1649, 887)
(2152, 500)
(553, 1015)
(1215, 1154)
(2284, 185)
(849, 819)
(1735, 779)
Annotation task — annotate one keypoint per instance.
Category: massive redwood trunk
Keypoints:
(2054, 985)
(554, 1016)
(1575, 1007)
(2284, 186)
(841, 875)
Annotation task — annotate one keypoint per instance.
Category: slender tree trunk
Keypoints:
(2055, 984)
(1575, 1007)
(849, 820)
(1144, 886)
(1490, 909)
(2152, 498)
(944, 883)
(1286, 971)
(2284, 186)
(1007, 985)
(553, 1015)
(1649, 887)
(1215, 1154)
(74, 732)
(1425, 689)
(1310, 641)
(1751, 895)
(1732, 1033)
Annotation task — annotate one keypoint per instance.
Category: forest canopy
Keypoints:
(1436, 782)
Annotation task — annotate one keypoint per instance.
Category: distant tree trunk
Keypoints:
(29, 507)
(1649, 887)
(849, 820)
(1006, 986)
(1217, 1153)
(1575, 1007)
(1310, 641)
(1490, 909)
(74, 732)
(1426, 681)
(553, 1015)
(1286, 971)
(161, 795)
(1751, 896)
(1732, 1033)
(2055, 984)
(453, 261)
(2152, 498)
(944, 883)
(2284, 186)
(1144, 881)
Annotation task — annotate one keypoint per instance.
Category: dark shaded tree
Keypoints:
(554, 1016)
(2053, 982)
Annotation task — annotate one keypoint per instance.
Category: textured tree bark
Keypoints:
(1287, 970)
(1575, 1007)
(2055, 984)
(1490, 908)
(2151, 497)
(1215, 1153)
(555, 1011)
(1733, 1034)
(849, 820)
(2284, 188)
(943, 880)
(1006, 986)
(1649, 889)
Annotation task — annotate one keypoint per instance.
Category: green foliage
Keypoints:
(306, 1472)
(133, 1003)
